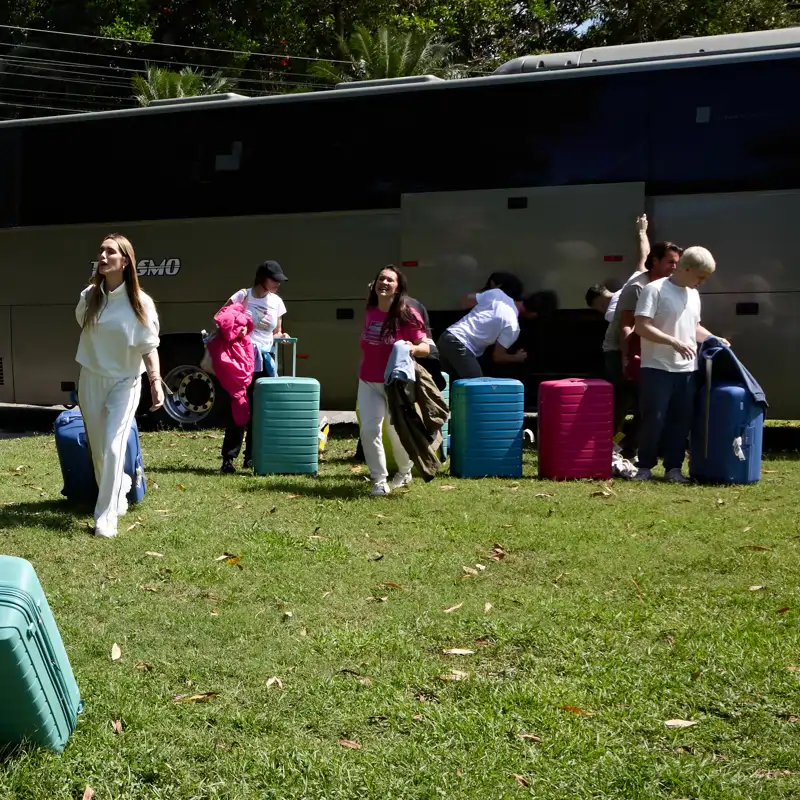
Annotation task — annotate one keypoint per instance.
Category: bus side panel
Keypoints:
(6, 361)
(44, 345)
(562, 239)
(752, 297)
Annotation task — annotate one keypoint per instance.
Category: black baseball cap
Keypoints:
(270, 269)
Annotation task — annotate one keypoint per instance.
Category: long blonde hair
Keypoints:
(129, 276)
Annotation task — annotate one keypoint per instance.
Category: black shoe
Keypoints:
(248, 464)
(228, 468)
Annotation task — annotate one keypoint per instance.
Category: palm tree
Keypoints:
(160, 83)
(387, 53)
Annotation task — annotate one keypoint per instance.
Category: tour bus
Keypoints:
(539, 169)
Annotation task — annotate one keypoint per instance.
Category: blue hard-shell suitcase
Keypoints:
(727, 435)
(39, 697)
(76, 463)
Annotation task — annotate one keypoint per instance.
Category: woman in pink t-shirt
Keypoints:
(389, 319)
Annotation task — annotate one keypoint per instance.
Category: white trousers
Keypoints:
(373, 408)
(108, 406)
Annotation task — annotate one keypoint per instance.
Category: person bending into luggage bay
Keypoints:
(493, 320)
(667, 319)
(388, 319)
(266, 308)
(119, 340)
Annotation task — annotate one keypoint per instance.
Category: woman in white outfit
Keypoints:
(119, 329)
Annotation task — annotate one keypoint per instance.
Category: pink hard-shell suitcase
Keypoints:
(576, 429)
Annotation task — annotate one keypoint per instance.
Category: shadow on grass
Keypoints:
(59, 515)
(344, 490)
(186, 468)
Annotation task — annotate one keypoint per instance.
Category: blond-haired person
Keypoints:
(119, 340)
(667, 318)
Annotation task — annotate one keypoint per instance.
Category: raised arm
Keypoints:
(644, 242)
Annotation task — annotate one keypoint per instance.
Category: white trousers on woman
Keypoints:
(108, 406)
(373, 408)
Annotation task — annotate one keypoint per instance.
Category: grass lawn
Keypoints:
(610, 614)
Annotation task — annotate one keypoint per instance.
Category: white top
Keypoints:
(675, 311)
(495, 318)
(114, 345)
(265, 312)
(612, 303)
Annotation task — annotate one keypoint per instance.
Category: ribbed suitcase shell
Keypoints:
(733, 414)
(76, 463)
(487, 416)
(576, 429)
(286, 426)
(39, 698)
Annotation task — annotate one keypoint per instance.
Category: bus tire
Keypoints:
(192, 398)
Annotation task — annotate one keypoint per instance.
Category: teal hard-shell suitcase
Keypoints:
(39, 698)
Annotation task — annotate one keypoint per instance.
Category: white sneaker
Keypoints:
(104, 533)
(643, 475)
(380, 489)
(399, 480)
(675, 476)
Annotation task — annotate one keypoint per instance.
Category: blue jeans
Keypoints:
(666, 405)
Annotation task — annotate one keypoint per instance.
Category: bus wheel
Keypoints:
(192, 397)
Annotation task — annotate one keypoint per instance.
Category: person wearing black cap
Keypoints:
(266, 308)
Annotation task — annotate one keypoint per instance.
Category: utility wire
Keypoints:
(167, 44)
(145, 59)
(46, 108)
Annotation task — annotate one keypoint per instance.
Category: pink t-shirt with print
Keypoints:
(376, 350)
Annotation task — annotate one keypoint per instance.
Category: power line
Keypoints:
(45, 108)
(34, 92)
(144, 59)
(167, 44)
(71, 68)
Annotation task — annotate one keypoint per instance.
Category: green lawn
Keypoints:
(611, 613)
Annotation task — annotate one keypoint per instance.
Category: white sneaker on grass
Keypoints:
(400, 480)
(380, 489)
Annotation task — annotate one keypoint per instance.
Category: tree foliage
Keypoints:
(161, 84)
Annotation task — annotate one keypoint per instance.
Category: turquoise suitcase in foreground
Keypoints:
(39, 698)
(286, 426)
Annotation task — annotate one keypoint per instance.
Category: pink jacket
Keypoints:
(231, 352)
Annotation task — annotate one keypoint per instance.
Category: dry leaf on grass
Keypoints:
(135, 525)
(458, 651)
(544, 494)
(484, 642)
(758, 547)
(229, 558)
(356, 468)
(453, 608)
(214, 612)
(116, 726)
(417, 717)
(747, 530)
(274, 681)
(181, 486)
(521, 781)
(116, 652)
(638, 590)
(455, 675)
(498, 553)
(782, 610)
(350, 744)
(793, 669)
(88, 793)
(470, 570)
(144, 666)
(720, 501)
(772, 773)
(154, 554)
(487, 608)
(200, 697)
(377, 599)
(391, 586)
(578, 711)
(293, 496)
(446, 488)
(757, 588)
(530, 737)
(149, 588)
(602, 493)
(680, 723)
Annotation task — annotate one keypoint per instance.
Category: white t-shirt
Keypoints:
(265, 313)
(612, 303)
(113, 347)
(675, 311)
(495, 318)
